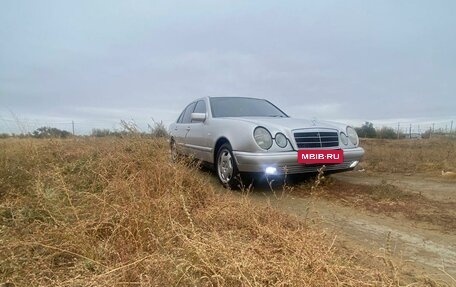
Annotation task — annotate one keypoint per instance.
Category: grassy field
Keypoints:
(401, 158)
(410, 156)
(117, 212)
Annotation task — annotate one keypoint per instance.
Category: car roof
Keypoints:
(235, 97)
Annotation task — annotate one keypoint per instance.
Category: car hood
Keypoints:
(290, 123)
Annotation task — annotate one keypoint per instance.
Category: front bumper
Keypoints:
(287, 162)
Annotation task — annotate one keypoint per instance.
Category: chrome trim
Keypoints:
(257, 162)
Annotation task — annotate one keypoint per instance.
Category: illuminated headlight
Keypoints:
(344, 138)
(262, 137)
(352, 135)
(281, 140)
(270, 170)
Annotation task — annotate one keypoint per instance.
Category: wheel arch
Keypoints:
(221, 141)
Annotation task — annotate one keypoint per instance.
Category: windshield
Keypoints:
(244, 107)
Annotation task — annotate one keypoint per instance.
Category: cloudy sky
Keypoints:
(96, 62)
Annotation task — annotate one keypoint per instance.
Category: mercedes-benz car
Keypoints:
(249, 135)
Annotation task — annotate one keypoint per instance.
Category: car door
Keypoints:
(196, 140)
(182, 127)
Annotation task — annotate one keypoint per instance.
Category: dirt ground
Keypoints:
(410, 220)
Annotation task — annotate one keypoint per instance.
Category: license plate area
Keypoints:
(320, 156)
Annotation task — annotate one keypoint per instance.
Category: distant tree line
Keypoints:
(157, 130)
(367, 130)
(42, 132)
(48, 132)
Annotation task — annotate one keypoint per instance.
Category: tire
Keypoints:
(226, 167)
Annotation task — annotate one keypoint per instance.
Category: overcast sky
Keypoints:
(97, 62)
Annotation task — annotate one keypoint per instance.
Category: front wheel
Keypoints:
(173, 150)
(226, 166)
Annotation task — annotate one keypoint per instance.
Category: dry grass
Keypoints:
(410, 156)
(391, 200)
(116, 212)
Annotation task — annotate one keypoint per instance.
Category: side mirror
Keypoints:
(198, 117)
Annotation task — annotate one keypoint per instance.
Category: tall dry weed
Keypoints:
(116, 211)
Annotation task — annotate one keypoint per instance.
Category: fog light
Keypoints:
(353, 164)
(270, 170)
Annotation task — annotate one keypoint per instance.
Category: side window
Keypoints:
(179, 120)
(187, 118)
(200, 107)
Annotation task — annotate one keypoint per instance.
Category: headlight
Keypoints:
(343, 138)
(262, 137)
(352, 135)
(281, 140)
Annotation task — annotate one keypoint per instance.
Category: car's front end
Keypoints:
(281, 142)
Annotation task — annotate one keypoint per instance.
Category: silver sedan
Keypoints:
(238, 135)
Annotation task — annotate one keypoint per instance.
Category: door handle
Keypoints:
(188, 128)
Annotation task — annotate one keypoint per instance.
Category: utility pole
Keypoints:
(410, 131)
(397, 130)
(72, 124)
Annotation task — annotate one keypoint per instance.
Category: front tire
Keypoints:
(173, 148)
(226, 167)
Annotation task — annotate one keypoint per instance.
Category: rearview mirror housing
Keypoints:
(198, 117)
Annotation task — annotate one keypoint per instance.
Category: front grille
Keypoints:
(316, 139)
(302, 168)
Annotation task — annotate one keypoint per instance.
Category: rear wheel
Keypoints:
(227, 171)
